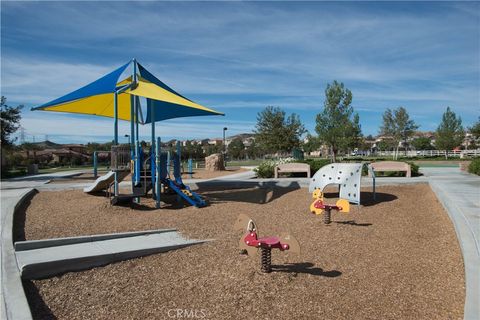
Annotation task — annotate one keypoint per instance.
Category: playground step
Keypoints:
(52, 260)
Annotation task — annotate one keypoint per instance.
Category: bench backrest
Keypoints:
(390, 166)
(293, 166)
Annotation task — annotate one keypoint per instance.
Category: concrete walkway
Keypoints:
(36, 180)
(459, 192)
(49, 176)
(75, 254)
(14, 303)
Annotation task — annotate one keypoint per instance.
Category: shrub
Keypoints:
(266, 169)
(474, 166)
(315, 164)
(414, 168)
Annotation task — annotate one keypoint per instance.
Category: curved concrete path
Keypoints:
(459, 193)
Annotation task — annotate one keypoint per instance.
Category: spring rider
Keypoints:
(250, 243)
(319, 206)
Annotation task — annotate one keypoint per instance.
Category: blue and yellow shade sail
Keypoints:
(97, 98)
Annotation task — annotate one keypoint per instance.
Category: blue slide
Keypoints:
(181, 189)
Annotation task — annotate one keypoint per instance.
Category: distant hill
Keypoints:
(47, 145)
(241, 136)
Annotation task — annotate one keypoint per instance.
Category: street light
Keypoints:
(224, 148)
(224, 145)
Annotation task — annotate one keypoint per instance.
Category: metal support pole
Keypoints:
(168, 163)
(179, 154)
(152, 152)
(95, 160)
(138, 165)
(115, 139)
(190, 167)
(158, 183)
(132, 134)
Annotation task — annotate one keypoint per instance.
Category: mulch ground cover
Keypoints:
(394, 258)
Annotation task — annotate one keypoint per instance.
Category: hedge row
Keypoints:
(474, 166)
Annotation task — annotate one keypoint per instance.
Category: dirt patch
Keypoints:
(397, 258)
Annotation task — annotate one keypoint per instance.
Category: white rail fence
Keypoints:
(432, 153)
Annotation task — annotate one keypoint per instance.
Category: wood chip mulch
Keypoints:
(394, 258)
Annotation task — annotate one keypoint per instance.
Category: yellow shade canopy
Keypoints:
(99, 105)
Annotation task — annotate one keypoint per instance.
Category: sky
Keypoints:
(239, 57)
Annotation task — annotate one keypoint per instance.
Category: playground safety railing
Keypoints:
(120, 157)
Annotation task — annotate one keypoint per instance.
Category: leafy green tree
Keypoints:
(253, 151)
(335, 126)
(275, 132)
(213, 148)
(236, 149)
(10, 122)
(450, 133)
(422, 143)
(312, 144)
(398, 125)
(475, 129)
(386, 144)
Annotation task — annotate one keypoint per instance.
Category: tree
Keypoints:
(450, 133)
(398, 125)
(275, 133)
(422, 143)
(335, 126)
(236, 148)
(10, 122)
(475, 131)
(312, 144)
(212, 148)
(386, 144)
(253, 151)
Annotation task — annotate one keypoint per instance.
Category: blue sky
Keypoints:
(239, 57)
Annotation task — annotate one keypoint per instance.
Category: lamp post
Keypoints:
(224, 146)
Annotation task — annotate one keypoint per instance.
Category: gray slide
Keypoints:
(104, 181)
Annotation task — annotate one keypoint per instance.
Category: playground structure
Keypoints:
(120, 100)
(319, 206)
(250, 243)
(347, 176)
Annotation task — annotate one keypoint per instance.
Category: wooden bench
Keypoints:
(292, 167)
(384, 166)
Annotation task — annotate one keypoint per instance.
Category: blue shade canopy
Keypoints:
(167, 110)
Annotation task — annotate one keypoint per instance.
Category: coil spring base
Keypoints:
(327, 216)
(266, 260)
